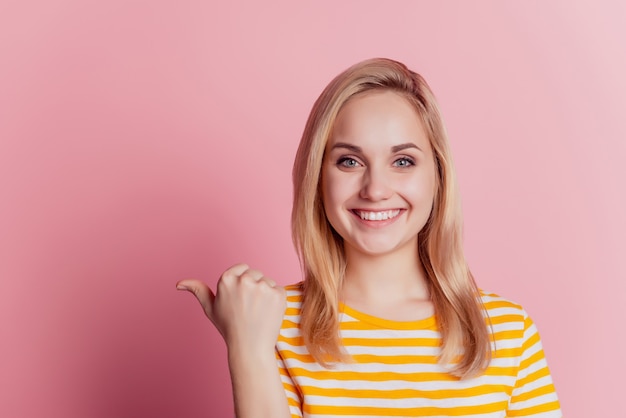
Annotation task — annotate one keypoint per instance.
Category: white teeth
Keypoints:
(378, 216)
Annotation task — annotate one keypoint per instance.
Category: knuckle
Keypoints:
(221, 283)
(227, 276)
(227, 279)
(254, 273)
(236, 270)
(247, 279)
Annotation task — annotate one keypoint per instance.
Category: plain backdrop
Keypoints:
(142, 142)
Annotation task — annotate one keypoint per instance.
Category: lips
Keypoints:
(383, 215)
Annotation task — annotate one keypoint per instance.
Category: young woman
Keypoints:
(388, 320)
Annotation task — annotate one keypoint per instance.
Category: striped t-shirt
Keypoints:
(394, 372)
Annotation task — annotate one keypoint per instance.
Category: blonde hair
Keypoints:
(466, 347)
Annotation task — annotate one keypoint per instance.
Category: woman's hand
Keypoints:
(247, 308)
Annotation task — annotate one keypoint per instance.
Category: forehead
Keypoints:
(380, 117)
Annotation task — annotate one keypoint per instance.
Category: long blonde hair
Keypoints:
(460, 313)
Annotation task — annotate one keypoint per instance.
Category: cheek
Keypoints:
(324, 189)
(329, 194)
(330, 202)
(335, 188)
(420, 188)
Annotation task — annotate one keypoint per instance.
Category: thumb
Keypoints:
(201, 291)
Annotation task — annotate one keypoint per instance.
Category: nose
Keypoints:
(376, 185)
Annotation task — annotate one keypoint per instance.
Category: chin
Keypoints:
(375, 250)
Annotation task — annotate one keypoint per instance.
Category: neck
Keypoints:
(395, 276)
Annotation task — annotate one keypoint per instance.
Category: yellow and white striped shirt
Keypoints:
(394, 372)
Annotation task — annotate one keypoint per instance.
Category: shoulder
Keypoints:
(295, 288)
(498, 305)
(293, 293)
(290, 329)
(504, 314)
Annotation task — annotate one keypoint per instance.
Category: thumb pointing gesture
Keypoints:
(205, 296)
(247, 308)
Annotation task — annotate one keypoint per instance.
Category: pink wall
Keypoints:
(145, 142)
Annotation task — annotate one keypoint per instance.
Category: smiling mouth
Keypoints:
(376, 216)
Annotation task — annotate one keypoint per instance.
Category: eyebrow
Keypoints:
(395, 148)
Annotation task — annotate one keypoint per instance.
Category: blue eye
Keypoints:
(348, 162)
(404, 162)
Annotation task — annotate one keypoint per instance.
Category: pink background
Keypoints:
(145, 142)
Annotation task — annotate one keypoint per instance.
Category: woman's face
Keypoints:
(378, 174)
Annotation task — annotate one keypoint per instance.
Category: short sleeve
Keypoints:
(533, 394)
(293, 395)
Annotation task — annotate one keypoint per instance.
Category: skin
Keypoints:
(378, 159)
(247, 309)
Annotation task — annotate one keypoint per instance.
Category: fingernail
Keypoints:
(181, 287)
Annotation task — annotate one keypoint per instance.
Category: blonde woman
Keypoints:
(388, 320)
